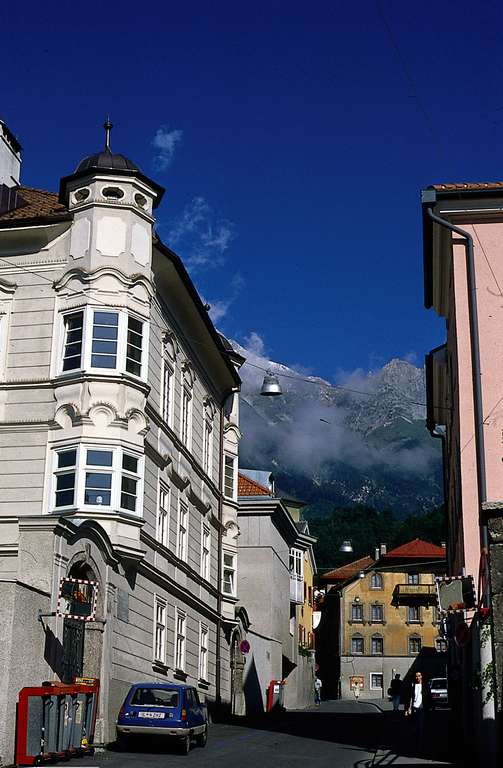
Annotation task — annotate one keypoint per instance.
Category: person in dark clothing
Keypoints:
(418, 702)
(395, 691)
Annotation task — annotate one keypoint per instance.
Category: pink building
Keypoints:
(463, 270)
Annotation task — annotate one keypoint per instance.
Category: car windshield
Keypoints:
(438, 684)
(155, 697)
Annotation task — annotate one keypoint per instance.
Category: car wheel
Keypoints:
(202, 738)
(185, 745)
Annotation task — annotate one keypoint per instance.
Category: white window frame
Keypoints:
(163, 513)
(116, 471)
(415, 638)
(186, 407)
(376, 687)
(182, 534)
(354, 638)
(160, 630)
(380, 639)
(87, 339)
(205, 551)
(232, 569)
(180, 639)
(234, 460)
(204, 637)
(208, 445)
(167, 393)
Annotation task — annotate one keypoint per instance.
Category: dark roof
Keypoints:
(34, 205)
(106, 159)
(108, 162)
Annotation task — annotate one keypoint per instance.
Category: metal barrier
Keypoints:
(55, 721)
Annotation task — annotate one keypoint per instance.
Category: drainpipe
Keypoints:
(486, 652)
(218, 661)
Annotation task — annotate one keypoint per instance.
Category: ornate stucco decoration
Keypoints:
(113, 286)
(170, 345)
(188, 373)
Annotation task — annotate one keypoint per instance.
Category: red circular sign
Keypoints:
(462, 634)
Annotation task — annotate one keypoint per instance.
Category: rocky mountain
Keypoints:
(361, 443)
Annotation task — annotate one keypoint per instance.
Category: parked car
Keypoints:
(163, 709)
(438, 691)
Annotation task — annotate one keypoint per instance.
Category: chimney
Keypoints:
(10, 157)
(376, 553)
(383, 549)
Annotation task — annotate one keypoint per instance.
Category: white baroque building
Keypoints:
(118, 446)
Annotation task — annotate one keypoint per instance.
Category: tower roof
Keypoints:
(106, 159)
(111, 163)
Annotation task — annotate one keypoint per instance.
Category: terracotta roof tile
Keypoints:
(247, 487)
(34, 204)
(416, 548)
(348, 571)
(475, 185)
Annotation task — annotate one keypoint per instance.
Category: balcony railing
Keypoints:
(296, 589)
(415, 594)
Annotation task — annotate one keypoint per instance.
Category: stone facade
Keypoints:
(118, 441)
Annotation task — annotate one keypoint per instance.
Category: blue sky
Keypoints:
(292, 139)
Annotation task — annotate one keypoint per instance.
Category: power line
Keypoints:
(264, 369)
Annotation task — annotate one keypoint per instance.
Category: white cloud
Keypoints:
(220, 307)
(218, 310)
(201, 238)
(255, 343)
(165, 142)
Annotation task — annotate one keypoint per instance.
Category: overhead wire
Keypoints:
(265, 369)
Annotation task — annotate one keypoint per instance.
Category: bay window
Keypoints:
(229, 574)
(230, 476)
(103, 340)
(91, 476)
(72, 352)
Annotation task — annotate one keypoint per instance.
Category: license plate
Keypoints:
(152, 715)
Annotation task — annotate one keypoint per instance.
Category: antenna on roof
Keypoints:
(107, 125)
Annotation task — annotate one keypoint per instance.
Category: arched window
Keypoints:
(376, 581)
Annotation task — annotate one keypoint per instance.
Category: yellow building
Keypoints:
(304, 611)
(381, 619)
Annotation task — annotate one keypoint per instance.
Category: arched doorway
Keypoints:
(238, 703)
(82, 641)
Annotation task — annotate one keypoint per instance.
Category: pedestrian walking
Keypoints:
(395, 691)
(418, 702)
(317, 690)
(357, 690)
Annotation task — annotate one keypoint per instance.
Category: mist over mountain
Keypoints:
(363, 442)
